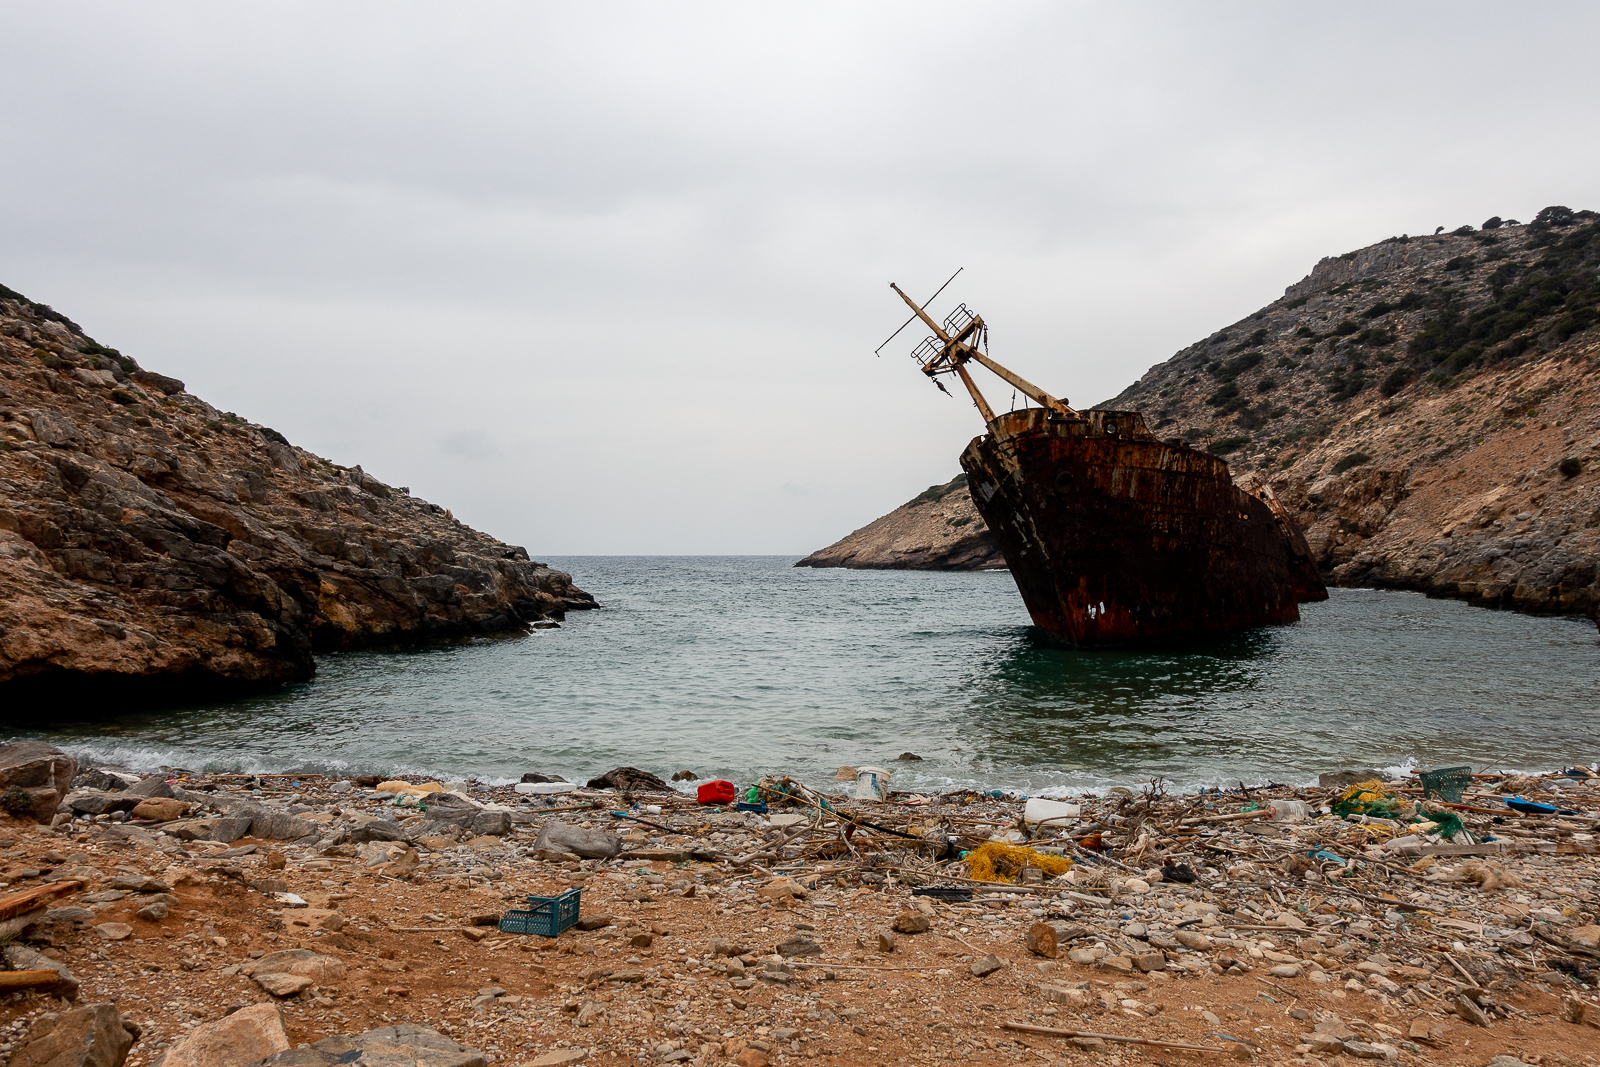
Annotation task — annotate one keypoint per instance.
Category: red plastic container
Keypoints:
(720, 791)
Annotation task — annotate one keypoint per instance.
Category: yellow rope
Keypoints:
(995, 861)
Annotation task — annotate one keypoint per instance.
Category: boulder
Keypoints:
(911, 922)
(160, 809)
(297, 961)
(534, 777)
(247, 1036)
(591, 844)
(224, 828)
(280, 984)
(457, 810)
(403, 1045)
(95, 778)
(161, 383)
(365, 828)
(43, 772)
(271, 825)
(153, 786)
(94, 1035)
(630, 780)
(99, 801)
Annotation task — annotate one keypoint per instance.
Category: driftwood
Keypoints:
(1028, 1028)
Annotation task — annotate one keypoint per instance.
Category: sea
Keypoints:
(740, 667)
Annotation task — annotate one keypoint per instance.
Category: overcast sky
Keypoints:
(607, 278)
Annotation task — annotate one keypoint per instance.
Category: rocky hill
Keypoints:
(937, 530)
(1426, 405)
(153, 547)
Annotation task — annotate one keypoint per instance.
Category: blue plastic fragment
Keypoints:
(1326, 856)
(1530, 807)
(758, 808)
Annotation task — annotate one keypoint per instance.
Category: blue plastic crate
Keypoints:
(546, 916)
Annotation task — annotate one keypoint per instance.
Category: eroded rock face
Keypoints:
(151, 543)
(938, 530)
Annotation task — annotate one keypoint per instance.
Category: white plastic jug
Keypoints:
(872, 783)
(1288, 810)
(1056, 812)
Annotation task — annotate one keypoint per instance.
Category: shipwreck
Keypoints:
(1114, 536)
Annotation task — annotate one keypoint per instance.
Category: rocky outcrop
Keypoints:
(152, 546)
(34, 778)
(938, 530)
(1427, 407)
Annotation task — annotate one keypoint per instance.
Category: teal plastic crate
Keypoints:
(546, 916)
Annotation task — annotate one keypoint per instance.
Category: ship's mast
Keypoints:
(955, 347)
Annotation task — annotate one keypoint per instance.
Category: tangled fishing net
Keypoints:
(996, 861)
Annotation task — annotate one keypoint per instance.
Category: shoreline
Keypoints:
(712, 936)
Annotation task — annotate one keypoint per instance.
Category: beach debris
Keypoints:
(1131, 914)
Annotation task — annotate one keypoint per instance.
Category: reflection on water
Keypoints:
(739, 666)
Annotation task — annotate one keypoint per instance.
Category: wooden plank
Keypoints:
(11, 981)
(14, 904)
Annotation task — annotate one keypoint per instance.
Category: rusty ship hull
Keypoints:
(1117, 538)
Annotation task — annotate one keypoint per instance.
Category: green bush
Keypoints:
(1345, 329)
(1225, 392)
(1461, 263)
(1395, 382)
(1556, 215)
(49, 359)
(1354, 459)
(1227, 445)
(1570, 467)
(16, 801)
(1297, 302)
(1376, 337)
(123, 398)
(1266, 384)
(1494, 222)
(273, 435)
(1461, 231)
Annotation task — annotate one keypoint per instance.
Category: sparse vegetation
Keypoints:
(123, 398)
(1354, 459)
(1395, 381)
(1570, 467)
(1227, 445)
(1494, 222)
(16, 800)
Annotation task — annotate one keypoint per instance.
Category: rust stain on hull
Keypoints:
(1115, 537)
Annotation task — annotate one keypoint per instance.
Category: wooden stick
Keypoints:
(11, 981)
(1028, 1028)
(14, 904)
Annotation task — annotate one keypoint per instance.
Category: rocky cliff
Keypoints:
(937, 530)
(153, 547)
(1427, 406)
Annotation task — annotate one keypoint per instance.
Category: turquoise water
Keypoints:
(740, 666)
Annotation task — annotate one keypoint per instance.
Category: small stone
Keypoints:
(799, 945)
(160, 809)
(908, 757)
(1194, 939)
(724, 947)
(1285, 970)
(114, 931)
(1573, 1010)
(283, 985)
(686, 776)
(1323, 1042)
(751, 1057)
(153, 913)
(1150, 961)
(1471, 1013)
(474, 933)
(559, 1058)
(1362, 1050)
(1072, 998)
(1429, 1033)
(1120, 964)
(594, 922)
(1090, 1044)
(986, 965)
(1041, 940)
(911, 922)
(781, 888)
(885, 941)
(276, 861)
(642, 940)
